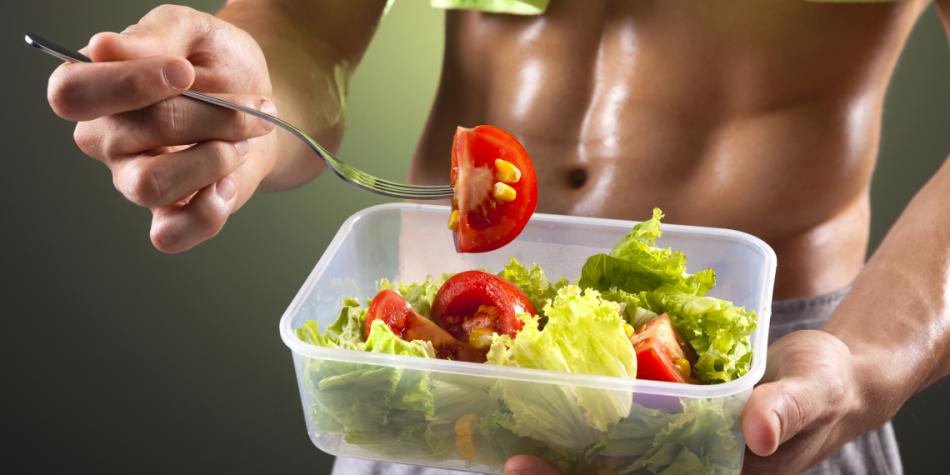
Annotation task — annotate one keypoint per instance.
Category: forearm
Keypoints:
(312, 49)
(896, 320)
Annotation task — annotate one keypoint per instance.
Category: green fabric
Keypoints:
(517, 7)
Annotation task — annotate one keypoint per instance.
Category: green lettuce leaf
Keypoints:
(349, 326)
(498, 428)
(635, 265)
(532, 282)
(456, 395)
(583, 335)
(358, 398)
(703, 438)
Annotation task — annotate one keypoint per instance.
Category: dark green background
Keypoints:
(118, 358)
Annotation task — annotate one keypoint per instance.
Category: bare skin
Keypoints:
(757, 116)
(723, 114)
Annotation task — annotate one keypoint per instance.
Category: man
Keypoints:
(760, 116)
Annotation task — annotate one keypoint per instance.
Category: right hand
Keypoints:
(191, 163)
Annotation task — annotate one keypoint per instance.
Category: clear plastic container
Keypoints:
(408, 242)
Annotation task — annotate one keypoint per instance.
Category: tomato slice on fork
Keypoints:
(496, 189)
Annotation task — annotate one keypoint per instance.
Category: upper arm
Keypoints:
(346, 26)
(343, 28)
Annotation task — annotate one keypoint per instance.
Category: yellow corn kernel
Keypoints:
(504, 192)
(612, 462)
(480, 338)
(628, 330)
(683, 365)
(506, 172)
(466, 446)
(465, 425)
(454, 220)
(606, 471)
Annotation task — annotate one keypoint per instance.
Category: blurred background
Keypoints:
(116, 357)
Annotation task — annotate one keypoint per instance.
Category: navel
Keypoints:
(577, 178)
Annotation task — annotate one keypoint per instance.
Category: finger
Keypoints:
(528, 465)
(162, 180)
(86, 91)
(181, 226)
(167, 29)
(183, 121)
(198, 219)
(134, 43)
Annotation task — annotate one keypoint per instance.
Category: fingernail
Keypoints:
(242, 147)
(268, 108)
(225, 188)
(177, 75)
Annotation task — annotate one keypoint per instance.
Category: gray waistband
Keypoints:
(806, 313)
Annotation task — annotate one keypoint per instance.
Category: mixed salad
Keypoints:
(633, 313)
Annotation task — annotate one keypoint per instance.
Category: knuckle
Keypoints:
(176, 16)
(160, 123)
(216, 158)
(145, 187)
(245, 125)
(87, 140)
(210, 225)
(224, 154)
(59, 93)
(137, 86)
(167, 236)
(169, 13)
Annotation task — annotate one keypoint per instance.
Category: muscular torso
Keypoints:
(760, 116)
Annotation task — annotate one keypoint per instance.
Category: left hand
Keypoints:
(804, 408)
(801, 412)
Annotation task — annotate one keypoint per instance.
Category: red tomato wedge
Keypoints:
(476, 299)
(662, 354)
(407, 324)
(486, 220)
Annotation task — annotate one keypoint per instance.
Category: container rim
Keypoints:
(759, 349)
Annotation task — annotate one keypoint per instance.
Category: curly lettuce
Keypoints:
(584, 335)
(650, 281)
(532, 282)
(635, 264)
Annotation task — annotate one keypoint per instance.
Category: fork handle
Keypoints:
(55, 49)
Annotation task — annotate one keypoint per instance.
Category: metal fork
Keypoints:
(344, 171)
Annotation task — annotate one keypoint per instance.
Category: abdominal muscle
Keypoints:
(757, 116)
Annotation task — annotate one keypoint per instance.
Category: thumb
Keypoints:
(804, 384)
(775, 413)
